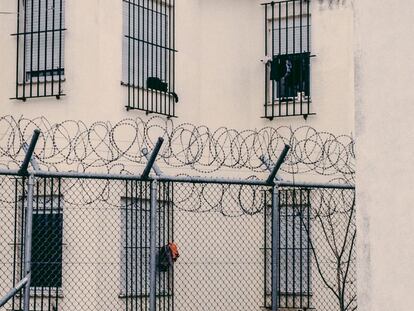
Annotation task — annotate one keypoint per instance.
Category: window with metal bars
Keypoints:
(46, 245)
(47, 248)
(287, 66)
(40, 48)
(149, 55)
(135, 250)
(47, 242)
(294, 252)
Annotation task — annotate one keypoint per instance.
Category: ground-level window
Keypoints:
(135, 247)
(294, 251)
(47, 240)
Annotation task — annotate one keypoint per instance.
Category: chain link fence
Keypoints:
(316, 254)
(92, 241)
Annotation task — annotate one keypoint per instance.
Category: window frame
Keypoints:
(40, 36)
(291, 294)
(164, 207)
(288, 35)
(147, 45)
(53, 205)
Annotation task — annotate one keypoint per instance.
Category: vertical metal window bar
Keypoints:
(287, 72)
(149, 56)
(40, 43)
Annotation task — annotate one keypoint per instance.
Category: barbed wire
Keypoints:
(112, 147)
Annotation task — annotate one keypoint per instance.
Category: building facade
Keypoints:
(212, 56)
(119, 72)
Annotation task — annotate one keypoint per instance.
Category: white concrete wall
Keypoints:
(219, 72)
(385, 135)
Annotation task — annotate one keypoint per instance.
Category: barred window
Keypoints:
(47, 241)
(287, 49)
(135, 250)
(149, 55)
(40, 48)
(294, 252)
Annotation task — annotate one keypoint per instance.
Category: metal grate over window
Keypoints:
(47, 244)
(135, 250)
(287, 62)
(149, 55)
(294, 252)
(47, 240)
(40, 48)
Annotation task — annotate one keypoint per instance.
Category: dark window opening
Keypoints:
(47, 250)
(40, 48)
(287, 49)
(291, 73)
(149, 56)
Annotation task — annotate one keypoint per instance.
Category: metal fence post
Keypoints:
(28, 241)
(275, 247)
(153, 239)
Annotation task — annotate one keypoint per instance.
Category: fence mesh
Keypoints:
(219, 230)
(91, 245)
(316, 254)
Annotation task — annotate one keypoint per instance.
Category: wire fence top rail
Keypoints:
(181, 179)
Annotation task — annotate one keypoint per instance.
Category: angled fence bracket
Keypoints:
(268, 164)
(29, 153)
(155, 167)
(152, 158)
(270, 179)
(33, 161)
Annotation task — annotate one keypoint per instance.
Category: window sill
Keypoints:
(290, 294)
(288, 308)
(124, 296)
(165, 2)
(35, 82)
(288, 107)
(49, 292)
(290, 101)
(168, 93)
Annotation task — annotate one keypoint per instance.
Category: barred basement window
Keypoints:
(294, 253)
(149, 55)
(47, 242)
(40, 48)
(287, 49)
(135, 239)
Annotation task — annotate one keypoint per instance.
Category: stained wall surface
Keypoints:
(385, 135)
